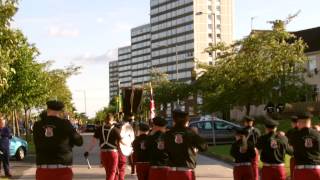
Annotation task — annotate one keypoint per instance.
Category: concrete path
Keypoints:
(208, 169)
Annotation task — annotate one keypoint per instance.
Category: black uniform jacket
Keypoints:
(182, 144)
(290, 134)
(140, 149)
(54, 139)
(240, 157)
(306, 147)
(157, 155)
(273, 148)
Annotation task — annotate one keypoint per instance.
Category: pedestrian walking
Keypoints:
(182, 145)
(140, 151)
(273, 147)
(290, 134)
(243, 154)
(253, 136)
(306, 147)
(109, 138)
(54, 139)
(157, 155)
(5, 136)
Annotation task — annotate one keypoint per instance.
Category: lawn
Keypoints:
(223, 152)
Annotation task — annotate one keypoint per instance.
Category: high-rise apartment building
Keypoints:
(140, 54)
(173, 42)
(113, 78)
(124, 66)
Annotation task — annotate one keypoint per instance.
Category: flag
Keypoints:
(152, 105)
(119, 99)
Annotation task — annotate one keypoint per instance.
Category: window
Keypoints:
(207, 126)
(312, 63)
(222, 126)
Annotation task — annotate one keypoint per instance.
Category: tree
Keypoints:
(9, 41)
(265, 66)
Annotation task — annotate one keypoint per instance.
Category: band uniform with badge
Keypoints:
(54, 139)
(182, 145)
(306, 147)
(243, 154)
(157, 155)
(273, 149)
(140, 152)
(253, 136)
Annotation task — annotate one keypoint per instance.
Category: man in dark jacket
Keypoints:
(182, 144)
(4, 146)
(54, 139)
(273, 149)
(243, 154)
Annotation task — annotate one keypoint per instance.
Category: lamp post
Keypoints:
(85, 99)
(252, 18)
(214, 28)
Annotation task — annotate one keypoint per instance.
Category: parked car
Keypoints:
(18, 148)
(223, 130)
(90, 128)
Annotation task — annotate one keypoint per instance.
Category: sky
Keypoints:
(87, 33)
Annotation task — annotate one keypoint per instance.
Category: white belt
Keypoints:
(181, 169)
(273, 165)
(160, 167)
(307, 167)
(243, 164)
(53, 166)
(108, 150)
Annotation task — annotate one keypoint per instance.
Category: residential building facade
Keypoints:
(175, 40)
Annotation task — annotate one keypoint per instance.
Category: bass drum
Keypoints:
(127, 135)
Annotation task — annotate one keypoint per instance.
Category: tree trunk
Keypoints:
(17, 122)
(26, 121)
(248, 106)
(13, 119)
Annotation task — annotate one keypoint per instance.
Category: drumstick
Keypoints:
(88, 162)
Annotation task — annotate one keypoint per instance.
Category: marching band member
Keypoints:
(109, 139)
(243, 153)
(306, 147)
(54, 138)
(273, 149)
(139, 152)
(253, 136)
(157, 155)
(290, 136)
(182, 144)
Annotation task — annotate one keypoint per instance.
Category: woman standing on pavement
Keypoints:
(4, 146)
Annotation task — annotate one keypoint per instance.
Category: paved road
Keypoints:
(207, 167)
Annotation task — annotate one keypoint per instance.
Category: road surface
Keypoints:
(207, 169)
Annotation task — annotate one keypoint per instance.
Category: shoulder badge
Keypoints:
(143, 145)
(308, 143)
(273, 144)
(178, 139)
(48, 131)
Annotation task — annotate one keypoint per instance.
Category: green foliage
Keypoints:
(265, 66)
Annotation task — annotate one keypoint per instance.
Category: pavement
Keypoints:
(207, 169)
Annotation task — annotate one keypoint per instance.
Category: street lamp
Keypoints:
(252, 18)
(214, 28)
(85, 99)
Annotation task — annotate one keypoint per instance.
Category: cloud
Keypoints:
(100, 20)
(63, 31)
(110, 55)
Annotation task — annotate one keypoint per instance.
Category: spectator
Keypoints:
(4, 146)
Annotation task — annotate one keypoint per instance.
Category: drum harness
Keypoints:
(106, 139)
